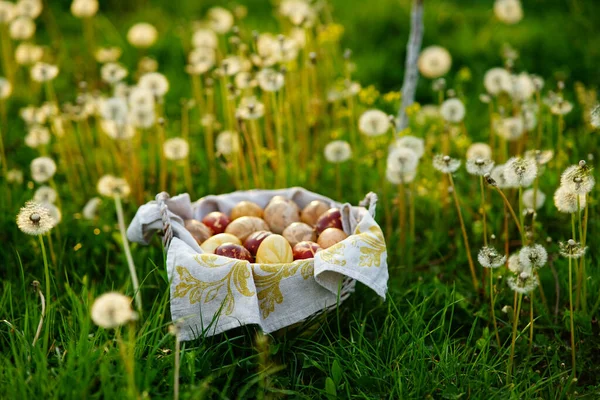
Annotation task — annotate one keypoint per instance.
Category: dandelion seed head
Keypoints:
(205, 38)
(299, 12)
(84, 8)
(453, 110)
(155, 82)
(398, 177)
(522, 87)
(112, 310)
(34, 219)
(250, 108)
(176, 149)
(114, 109)
(571, 249)
(565, 200)
(90, 210)
(42, 169)
(338, 151)
(595, 117)
(434, 62)
(520, 172)
(45, 194)
(42, 72)
(111, 186)
(508, 11)
(402, 160)
(479, 151)
(37, 136)
(578, 178)
(7, 12)
(270, 80)
(28, 53)
(142, 35)
(227, 143)
(541, 157)
(528, 199)
(5, 88)
(417, 145)
(143, 118)
(446, 164)
(14, 176)
(116, 130)
(489, 257)
(22, 28)
(511, 129)
(523, 283)
(108, 54)
(497, 80)
(373, 123)
(113, 73)
(201, 60)
(479, 166)
(220, 19)
(534, 256)
(231, 65)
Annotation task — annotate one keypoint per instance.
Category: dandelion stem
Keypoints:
(130, 264)
(574, 362)
(36, 285)
(514, 339)
(47, 277)
(464, 233)
(530, 321)
(583, 244)
(483, 213)
(127, 354)
(512, 211)
(492, 305)
(402, 215)
(177, 367)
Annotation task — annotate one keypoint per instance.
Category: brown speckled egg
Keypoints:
(298, 232)
(254, 240)
(280, 214)
(233, 250)
(245, 226)
(199, 231)
(274, 250)
(304, 250)
(216, 221)
(211, 244)
(329, 219)
(246, 209)
(312, 212)
(331, 236)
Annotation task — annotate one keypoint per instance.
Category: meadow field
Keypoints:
(486, 195)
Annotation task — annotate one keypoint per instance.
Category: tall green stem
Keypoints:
(48, 297)
(130, 264)
(492, 305)
(574, 362)
(464, 233)
(514, 339)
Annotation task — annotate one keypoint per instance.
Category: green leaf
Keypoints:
(330, 388)
(336, 372)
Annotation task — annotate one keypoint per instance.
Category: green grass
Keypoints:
(431, 338)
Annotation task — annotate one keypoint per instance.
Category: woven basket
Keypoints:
(211, 294)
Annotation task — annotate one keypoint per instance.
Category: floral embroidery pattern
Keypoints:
(200, 291)
(267, 286)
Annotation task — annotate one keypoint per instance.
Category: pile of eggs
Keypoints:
(279, 233)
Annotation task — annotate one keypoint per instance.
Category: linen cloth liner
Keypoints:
(211, 294)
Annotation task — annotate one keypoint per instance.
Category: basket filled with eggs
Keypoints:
(273, 258)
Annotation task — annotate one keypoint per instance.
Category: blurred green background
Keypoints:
(557, 39)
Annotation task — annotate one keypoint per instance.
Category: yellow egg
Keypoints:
(211, 244)
(274, 250)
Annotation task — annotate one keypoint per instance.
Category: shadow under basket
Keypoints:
(211, 294)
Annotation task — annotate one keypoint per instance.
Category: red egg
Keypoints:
(217, 221)
(233, 250)
(254, 240)
(306, 249)
(329, 219)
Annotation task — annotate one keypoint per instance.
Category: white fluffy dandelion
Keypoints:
(45, 194)
(528, 199)
(489, 257)
(42, 169)
(534, 256)
(142, 35)
(34, 219)
(508, 11)
(227, 143)
(571, 249)
(446, 164)
(112, 310)
(453, 110)
(479, 150)
(338, 151)
(479, 166)
(520, 172)
(497, 80)
(374, 123)
(434, 61)
(566, 201)
(411, 142)
(176, 149)
(90, 210)
(111, 186)
(578, 178)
